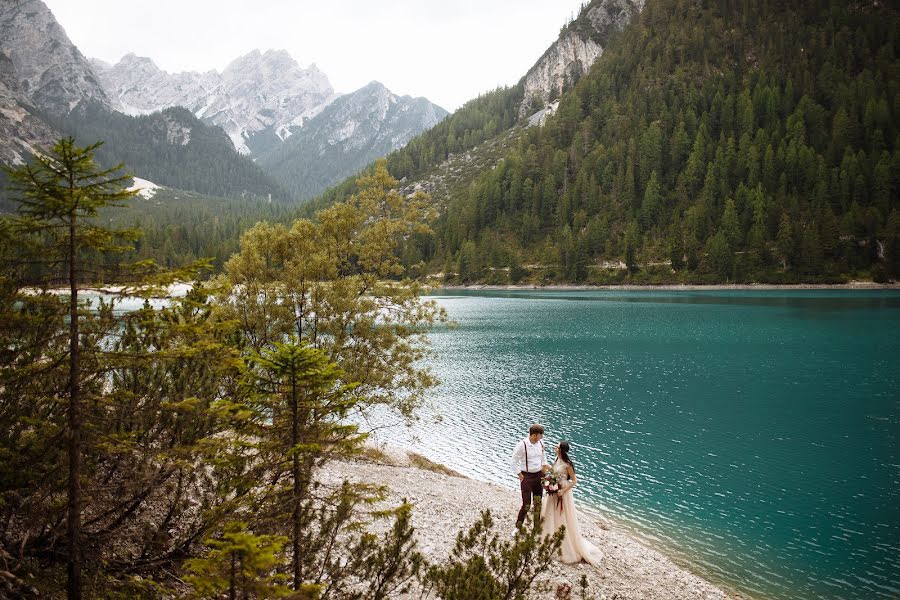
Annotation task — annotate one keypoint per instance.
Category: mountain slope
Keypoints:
(286, 117)
(723, 143)
(580, 43)
(52, 72)
(21, 129)
(171, 148)
(40, 71)
(491, 116)
(345, 136)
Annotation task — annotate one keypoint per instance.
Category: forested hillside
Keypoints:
(713, 141)
(180, 227)
(476, 121)
(171, 148)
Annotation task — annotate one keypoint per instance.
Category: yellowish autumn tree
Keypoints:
(330, 325)
(337, 283)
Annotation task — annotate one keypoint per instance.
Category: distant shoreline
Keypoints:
(852, 285)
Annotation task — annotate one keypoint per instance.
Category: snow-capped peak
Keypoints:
(255, 92)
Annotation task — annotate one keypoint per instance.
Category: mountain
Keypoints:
(287, 118)
(710, 141)
(172, 148)
(708, 144)
(493, 118)
(255, 94)
(48, 89)
(41, 71)
(21, 130)
(345, 136)
(50, 70)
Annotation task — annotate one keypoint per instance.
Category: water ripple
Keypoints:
(753, 434)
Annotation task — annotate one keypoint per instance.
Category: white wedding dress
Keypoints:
(555, 513)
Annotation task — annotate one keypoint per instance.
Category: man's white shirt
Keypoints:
(534, 453)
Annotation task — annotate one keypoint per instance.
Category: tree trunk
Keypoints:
(73, 587)
(232, 584)
(295, 464)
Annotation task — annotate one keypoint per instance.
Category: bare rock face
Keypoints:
(21, 132)
(579, 45)
(50, 70)
(562, 65)
(256, 92)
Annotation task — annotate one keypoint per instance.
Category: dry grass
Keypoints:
(420, 462)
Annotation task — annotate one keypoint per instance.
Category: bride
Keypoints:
(559, 509)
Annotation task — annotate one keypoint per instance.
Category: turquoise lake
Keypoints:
(751, 435)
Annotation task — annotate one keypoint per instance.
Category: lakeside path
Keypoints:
(445, 502)
(853, 285)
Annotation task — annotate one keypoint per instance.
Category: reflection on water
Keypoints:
(754, 431)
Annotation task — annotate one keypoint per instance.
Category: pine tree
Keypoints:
(785, 240)
(484, 566)
(240, 564)
(300, 411)
(61, 193)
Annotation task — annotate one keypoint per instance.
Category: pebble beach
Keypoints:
(445, 502)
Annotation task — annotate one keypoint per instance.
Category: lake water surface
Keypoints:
(752, 434)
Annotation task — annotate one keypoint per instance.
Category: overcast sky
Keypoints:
(446, 50)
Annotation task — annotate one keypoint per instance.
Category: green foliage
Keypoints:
(339, 285)
(85, 490)
(239, 564)
(485, 566)
(180, 227)
(297, 425)
(201, 426)
(388, 564)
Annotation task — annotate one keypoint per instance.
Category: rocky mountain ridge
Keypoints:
(254, 93)
(580, 44)
(20, 129)
(51, 71)
(263, 99)
(49, 89)
(345, 136)
(41, 73)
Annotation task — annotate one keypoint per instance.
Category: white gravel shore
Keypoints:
(444, 503)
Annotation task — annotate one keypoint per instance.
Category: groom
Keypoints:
(529, 461)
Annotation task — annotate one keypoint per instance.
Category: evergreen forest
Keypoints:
(171, 148)
(716, 141)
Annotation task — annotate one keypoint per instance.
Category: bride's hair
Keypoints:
(564, 454)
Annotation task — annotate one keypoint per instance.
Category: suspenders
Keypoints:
(524, 445)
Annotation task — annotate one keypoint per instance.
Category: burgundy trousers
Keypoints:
(531, 488)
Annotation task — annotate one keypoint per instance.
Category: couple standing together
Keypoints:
(529, 462)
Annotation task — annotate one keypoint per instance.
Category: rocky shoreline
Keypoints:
(445, 502)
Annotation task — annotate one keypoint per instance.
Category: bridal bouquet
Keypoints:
(551, 485)
(550, 482)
